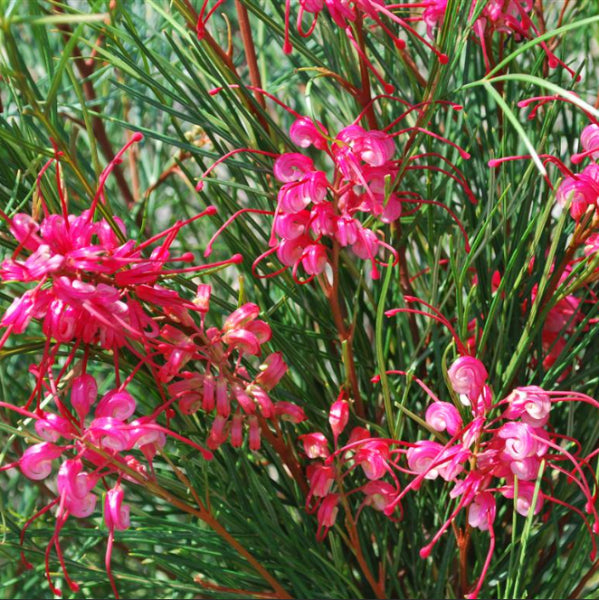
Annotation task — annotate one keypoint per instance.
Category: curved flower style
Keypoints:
(503, 450)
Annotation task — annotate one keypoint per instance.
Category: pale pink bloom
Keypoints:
(375, 148)
(289, 252)
(42, 263)
(116, 514)
(453, 460)
(327, 515)
(36, 461)
(262, 399)
(473, 483)
(190, 402)
(433, 16)
(314, 259)
(581, 191)
(223, 404)
(240, 317)
(379, 494)
(366, 246)
(107, 433)
(338, 417)
(291, 226)
(531, 403)
(218, 432)
(520, 441)
(19, 314)
(424, 458)
(481, 513)
(467, 376)
(254, 436)
(525, 497)
(208, 393)
(292, 166)
(321, 478)
(271, 371)
(347, 230)
(304, 133)
(315, 445)
(51, 427)
(526, 469)
(118, 404)
(83, 394)
(202, 298)
(443, 416)
(484, 401)
(590, 139)
(24, 229)
(144, 433)
(373, 457)
(290, 412)
(237, 430)
(243, 399)
(474, 431)
(296, 196)
(75, 485)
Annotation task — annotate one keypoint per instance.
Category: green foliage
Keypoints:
(72, 71)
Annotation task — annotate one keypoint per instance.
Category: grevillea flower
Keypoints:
(324, 205)
(467, 376)
(492, 453)
(91, 287)
(346, 13)
(443, 416)
(580, 191)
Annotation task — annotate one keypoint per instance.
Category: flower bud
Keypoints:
(83, 394)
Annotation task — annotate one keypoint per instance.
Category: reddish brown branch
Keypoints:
(250, 50)
(86, 68)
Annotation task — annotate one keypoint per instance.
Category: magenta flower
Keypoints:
(467, 376)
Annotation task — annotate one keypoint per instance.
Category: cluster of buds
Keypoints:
(349, 15)
(226, 388)
(504, 448)
(328, 476)
(89, 287)
(580, 191)
(312, 208)
(317, 211)
(511, 17)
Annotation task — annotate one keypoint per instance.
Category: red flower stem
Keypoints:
(191, 16)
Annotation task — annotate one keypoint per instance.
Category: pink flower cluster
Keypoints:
(91, 288)
(312, 207)
(102, 443)
(512, 17)
(328, 476)
(581, 190)
(226, 388)
(349, 15)
(495, 449)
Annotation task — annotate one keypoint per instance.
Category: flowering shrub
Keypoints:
(379, 375)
